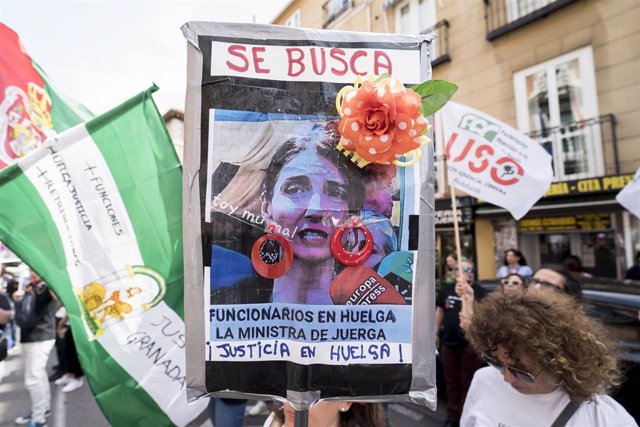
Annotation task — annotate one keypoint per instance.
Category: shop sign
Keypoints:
(602, 184)
(444, 218)
(566, 223)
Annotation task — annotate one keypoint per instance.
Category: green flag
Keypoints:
(97, 212)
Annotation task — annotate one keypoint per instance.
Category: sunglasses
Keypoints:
(518, 373)
(506, 282)
(546, 284)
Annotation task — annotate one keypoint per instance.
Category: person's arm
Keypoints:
(465, 291)
(438, 324)
(61, 328)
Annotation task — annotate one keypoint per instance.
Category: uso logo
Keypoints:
(481, 155)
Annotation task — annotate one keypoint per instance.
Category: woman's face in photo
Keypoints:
(309, 199)
(512, 258)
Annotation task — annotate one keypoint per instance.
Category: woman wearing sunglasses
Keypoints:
(549, 364)
(512, 283)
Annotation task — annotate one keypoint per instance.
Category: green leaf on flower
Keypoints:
(382, 76)
(435, 94)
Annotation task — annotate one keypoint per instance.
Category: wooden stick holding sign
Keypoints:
(467, 298)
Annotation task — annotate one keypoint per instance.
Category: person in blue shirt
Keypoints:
(514, 262)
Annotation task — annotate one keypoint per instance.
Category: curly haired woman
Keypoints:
(543, 353)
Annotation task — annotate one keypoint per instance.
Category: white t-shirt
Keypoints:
(491, 402)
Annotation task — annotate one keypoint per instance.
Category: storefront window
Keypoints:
(595, 249)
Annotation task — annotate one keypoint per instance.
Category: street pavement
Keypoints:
(79, 408)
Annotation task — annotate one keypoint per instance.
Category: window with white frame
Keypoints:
(294, 19)
(552, 99)
(518, 8)
(415, 16)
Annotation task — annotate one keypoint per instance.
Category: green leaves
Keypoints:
(435, 94)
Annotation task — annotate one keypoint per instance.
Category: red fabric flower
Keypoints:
(381, 121)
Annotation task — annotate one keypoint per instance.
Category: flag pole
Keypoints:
(456, 231)
(456, 228)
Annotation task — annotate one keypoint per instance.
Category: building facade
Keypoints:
(562, 71)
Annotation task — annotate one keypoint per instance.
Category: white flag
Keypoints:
(629, 196)
(492, 161)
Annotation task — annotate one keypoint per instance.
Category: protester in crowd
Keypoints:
(512, 283)
(332, 414)
(61, 368)
(226, 412)
(552, 277)
(548, 361)
(451, 262)
(73, 378)
(5, 310)
(10, 327)
(605, 259)
(36, 344)
(634, 272)
(514, 262)
(458, 358)
(557, 278)
(5, 318)
(573, 263)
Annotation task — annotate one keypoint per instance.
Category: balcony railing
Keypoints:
(505, 16)
(335, 8)
(584, 149)
(440, 47)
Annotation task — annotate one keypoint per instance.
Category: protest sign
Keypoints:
(629, 196)
(31, 110)
(492, 161)
(96, 211)
(262, 164)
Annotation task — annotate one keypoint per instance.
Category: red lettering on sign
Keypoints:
(238, 51)
(314, 61)
(338, 55)
(258, 59)
(465, 151)
(295, 60)
(358, 54)
(379, 65)
(504, 171)
(480, 151)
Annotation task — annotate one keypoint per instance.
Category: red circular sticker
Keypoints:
(351, 258)
(272, 256)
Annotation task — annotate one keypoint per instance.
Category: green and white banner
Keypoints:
(97, 212)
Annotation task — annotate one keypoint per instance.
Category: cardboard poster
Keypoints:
(290, 319)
